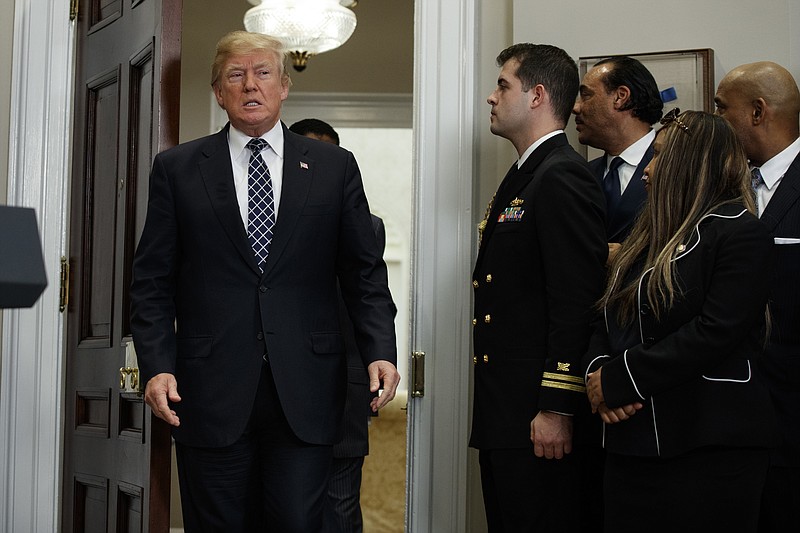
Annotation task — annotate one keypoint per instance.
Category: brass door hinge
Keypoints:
(417, 374)
(73, 9)
(63, 295)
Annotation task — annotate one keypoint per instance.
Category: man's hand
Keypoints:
(382, 373)
(551, 434)
(161, 389)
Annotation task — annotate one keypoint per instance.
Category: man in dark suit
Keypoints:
(344, 484)
(234, 303)
(617, 105)
(539, 272)
(762, 102)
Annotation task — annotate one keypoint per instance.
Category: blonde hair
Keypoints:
(242, 42)
(696, 172)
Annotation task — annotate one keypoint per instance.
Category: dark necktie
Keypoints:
(611, 184)
(260, 204)
(756, 181)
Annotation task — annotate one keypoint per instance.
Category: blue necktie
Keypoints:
(611, 186)
(260, 204)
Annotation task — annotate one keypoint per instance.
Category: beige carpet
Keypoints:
(383, 483)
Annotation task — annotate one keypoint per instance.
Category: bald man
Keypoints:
(762, 102)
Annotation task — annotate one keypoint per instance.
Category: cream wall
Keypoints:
(739, 31)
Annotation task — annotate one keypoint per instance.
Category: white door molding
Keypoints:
(444, 118)
(343, 110)
(31, 377)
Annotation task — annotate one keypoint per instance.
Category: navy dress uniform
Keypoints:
(539, 272)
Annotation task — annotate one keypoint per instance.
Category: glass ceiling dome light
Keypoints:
(305, 27)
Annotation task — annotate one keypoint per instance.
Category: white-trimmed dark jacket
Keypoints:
(695, 369)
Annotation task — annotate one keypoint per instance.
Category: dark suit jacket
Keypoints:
(355, 430)
(539, 271)
(781, 362)
(696, 369)
(202, 310)
(620, 221)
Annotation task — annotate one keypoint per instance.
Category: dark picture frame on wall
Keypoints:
(684, 77)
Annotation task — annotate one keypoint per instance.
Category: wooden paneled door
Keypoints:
(116, 467)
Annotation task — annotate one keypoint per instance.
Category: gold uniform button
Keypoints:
(474, 359)
(474, 321)
(487, 319)
(488, 278)
(485, 358)
(475, 283)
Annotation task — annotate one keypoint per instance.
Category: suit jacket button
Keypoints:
(485, 358)
(262, 288)
(475, 283)
(474, 359)
(487, 319)
(260, 336)
(488, 278)
(474, 321)
(645, 309)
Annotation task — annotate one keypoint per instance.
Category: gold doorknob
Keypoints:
(126, 371)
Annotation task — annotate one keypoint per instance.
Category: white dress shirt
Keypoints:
(240, 160)
(772, 171)
(632, 156)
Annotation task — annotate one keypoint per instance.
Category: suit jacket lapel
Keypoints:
(513, 183)
(628, 207)
(298, 170)
(785, 196)
(217, 174)
(493, 213)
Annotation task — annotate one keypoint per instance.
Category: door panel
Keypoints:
(116, 454)
(100, 199)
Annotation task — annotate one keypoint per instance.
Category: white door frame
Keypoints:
(444, 118)
(31, 375)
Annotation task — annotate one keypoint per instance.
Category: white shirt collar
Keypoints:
(238, 140)
(535, 145)
(773, 170)
(633, 154)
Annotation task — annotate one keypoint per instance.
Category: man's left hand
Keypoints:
(382, 374)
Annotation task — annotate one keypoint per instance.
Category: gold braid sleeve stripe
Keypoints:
(562, 377)
(565, 386)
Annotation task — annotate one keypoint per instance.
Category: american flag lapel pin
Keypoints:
(303, 165)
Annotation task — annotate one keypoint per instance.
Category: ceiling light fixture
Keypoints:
(305, 27)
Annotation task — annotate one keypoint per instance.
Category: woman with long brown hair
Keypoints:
(672, 367)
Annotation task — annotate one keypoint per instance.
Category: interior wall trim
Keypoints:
(344, 110)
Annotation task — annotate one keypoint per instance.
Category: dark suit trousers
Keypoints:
(267, 481)
(344, 488)
(523, 493)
